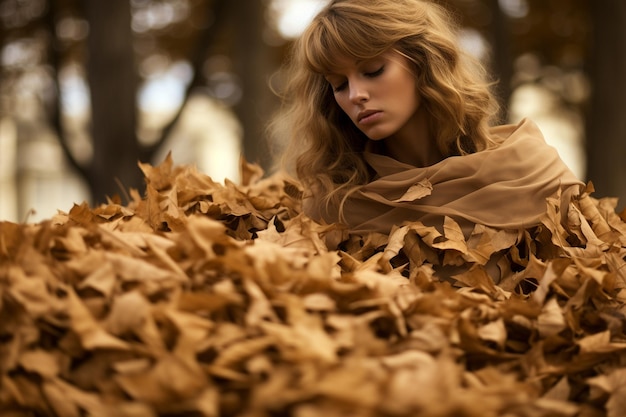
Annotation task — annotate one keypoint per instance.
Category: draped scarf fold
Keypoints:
(505, 187)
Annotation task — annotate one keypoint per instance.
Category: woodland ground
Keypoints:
(200, 298)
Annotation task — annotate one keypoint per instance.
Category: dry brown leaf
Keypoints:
(356, 383)
(130, 268)
(91, 333)
(169, 380)
(484, 242)
(242, 350)
(45, 364)
(396, 243)
(416, 191)
(102, 279)
(191, 329)
(303, 341)
(551, 321)
(553, 271)
(477, 277)
(494, 331)
(614, 384)
(599, 343)
(131, 314)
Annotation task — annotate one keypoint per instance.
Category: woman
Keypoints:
(389, 122)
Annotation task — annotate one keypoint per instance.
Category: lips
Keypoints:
(367, 115)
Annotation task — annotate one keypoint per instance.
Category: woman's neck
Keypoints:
(414, 144)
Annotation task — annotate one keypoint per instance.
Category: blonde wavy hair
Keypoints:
(324, 147)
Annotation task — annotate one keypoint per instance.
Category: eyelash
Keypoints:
(376, 73)
(367, 74)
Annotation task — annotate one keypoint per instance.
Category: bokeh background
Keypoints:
(89, 87)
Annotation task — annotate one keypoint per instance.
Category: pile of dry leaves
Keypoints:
(209, 299)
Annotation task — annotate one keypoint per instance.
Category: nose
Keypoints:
(358, 93)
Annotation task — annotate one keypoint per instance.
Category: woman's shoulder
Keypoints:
(525, 128)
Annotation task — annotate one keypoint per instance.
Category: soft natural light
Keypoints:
(514, 8)
(474, 43)
(74, 91)
(166, 90)
(294, 15)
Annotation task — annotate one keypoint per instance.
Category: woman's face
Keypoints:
(379, 95)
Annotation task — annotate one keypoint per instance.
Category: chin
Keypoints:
(378, 136)
(375, 134)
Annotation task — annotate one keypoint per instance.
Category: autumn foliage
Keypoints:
(208, 299)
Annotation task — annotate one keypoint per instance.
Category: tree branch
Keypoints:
(197, 60)
(54, 114)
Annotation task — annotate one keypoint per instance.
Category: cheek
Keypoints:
(408, 92)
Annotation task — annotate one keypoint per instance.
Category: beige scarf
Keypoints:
(505, 187)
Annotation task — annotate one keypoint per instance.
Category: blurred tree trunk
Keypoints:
(253, 63)
(606, 122)
(606, 132)
(502, 60)
(112, 82)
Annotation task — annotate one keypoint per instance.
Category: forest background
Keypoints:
(89, 88)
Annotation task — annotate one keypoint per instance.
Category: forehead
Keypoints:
(327, 46)
(342, 63)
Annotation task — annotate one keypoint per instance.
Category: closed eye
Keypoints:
(372, 74)
(375, 73)
(340, 87)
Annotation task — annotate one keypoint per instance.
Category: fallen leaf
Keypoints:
(416, 191)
